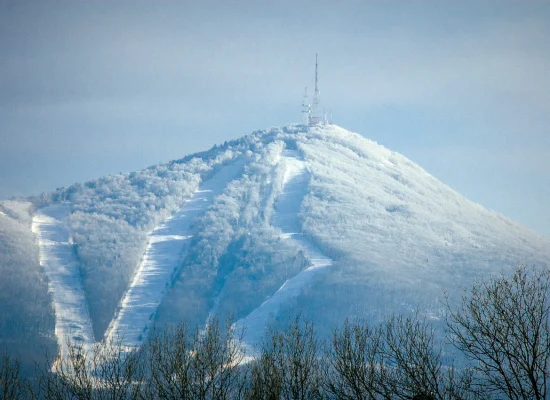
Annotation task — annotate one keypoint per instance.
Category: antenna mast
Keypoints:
(316, 114)
(316, 81)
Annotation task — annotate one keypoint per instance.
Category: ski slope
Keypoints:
(398, 236)
(167, 248)
(72, 320)
(286, 218)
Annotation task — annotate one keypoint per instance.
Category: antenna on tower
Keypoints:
(316, 80)
(312, 113)
(316, 114)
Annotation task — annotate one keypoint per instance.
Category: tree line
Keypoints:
(500, 330)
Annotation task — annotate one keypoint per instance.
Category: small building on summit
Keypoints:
(313, 114)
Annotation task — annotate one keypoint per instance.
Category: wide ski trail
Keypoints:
(286, 218)
(167, 248)
(72, 320)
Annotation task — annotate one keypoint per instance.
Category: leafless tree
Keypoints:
(266, 378)
(398, 359)
(169, 361)
(108, 371)
(204, 365)
(502, 326)
(289, 366)
(118, 371)
(12, 385)
(352, 363)
(418, 368)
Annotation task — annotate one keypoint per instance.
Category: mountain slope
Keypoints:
(286, 217)
(27, 315)
(394, 236)
(167, 245)
(61, 266)
(398, 237)
(110, 218)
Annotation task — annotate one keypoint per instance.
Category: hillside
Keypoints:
(314, 220)
(28, 319)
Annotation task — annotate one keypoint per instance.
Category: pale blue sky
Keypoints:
(462, 88)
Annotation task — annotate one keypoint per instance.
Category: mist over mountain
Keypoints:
(312, 220)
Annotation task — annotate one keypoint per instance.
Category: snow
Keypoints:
(61, 266)
(395, 235)
(167, 248)
(287, 219)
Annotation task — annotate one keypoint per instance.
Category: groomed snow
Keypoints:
(287, 219)
(59, 261)
(167, 248)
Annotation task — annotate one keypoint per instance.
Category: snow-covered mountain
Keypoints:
(316, 220)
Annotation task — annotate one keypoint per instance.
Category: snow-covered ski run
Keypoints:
(167, 248)
(286, 218)
(57, 257)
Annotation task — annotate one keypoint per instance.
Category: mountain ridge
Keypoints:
(397, 236)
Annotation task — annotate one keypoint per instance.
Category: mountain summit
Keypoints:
(316, 220)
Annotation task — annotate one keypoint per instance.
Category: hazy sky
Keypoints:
(89, 88)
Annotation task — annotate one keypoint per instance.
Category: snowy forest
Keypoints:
(395, 235)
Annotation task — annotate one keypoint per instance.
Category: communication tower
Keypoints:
(315, 114)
